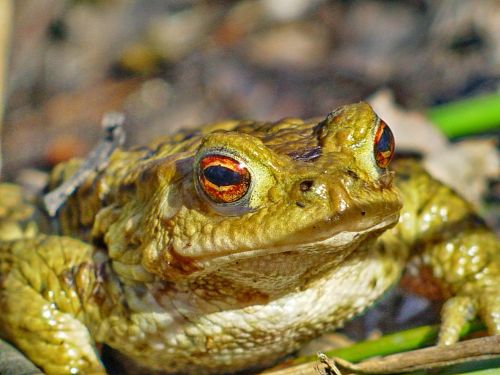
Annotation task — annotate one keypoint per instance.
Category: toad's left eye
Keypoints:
(223, 179)
(383, 145)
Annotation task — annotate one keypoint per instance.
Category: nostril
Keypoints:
(306, 185)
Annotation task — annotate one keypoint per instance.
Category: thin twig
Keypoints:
(330, 366)
(96, 160)
(6, 16)
(427, 358)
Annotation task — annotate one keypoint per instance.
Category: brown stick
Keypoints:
(6, 15)
(97, 160)
(428, 358)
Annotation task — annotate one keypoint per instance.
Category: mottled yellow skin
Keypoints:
(141, 260)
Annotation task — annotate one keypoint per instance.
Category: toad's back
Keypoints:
(229, 246)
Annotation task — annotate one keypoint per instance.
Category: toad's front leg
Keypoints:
(46, 286)
(469, 266)
(448, 238)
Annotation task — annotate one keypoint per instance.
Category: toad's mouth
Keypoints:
(326, 242)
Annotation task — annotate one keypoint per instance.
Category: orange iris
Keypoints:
(223, 179)
(384, 145)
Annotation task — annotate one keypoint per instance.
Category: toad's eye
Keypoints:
(383, 145)
(223, 179)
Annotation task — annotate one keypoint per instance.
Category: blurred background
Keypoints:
(179, 63)
(170, 64)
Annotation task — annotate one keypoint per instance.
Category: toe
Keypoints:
(489, 311)
(456, 312)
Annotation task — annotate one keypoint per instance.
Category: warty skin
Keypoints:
(148, 260)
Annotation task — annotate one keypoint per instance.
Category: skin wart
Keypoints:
(227, 247)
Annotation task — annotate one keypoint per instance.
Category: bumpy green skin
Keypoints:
(146, 264)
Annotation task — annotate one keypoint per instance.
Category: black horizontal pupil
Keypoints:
(221, 176)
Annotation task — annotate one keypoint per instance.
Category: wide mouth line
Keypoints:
(336, 240)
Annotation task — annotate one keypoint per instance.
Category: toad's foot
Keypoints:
(458, 310)
(45, 283)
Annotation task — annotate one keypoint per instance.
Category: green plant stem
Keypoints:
(469, 116)
(394, 343)
(491, 371)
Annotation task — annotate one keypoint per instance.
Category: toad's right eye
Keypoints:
(223, 178)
